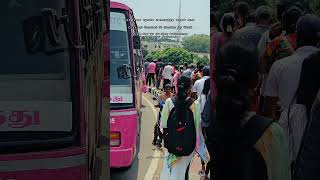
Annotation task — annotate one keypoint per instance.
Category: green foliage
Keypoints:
(197, 43)
(202, 61)
(176, 56)
(144, 52)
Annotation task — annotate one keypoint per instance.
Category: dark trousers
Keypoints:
(150, 79)
(156, 132)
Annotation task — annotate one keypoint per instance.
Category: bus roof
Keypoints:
(118, 5)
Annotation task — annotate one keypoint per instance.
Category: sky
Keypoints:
(199, 10)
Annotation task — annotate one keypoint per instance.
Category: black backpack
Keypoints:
(255, 167)
(180, 136)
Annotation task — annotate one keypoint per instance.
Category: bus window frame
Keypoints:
(118, 106)
(69, 139)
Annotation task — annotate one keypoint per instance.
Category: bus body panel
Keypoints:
(61, 164)
(127, 120)
(70, 162)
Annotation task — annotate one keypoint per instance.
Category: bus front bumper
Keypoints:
(120, 158)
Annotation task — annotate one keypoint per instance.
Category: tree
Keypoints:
(204, 61)
(197, 43)
(144, 52)
(177, 56)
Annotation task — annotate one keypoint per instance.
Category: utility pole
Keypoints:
(179, 22)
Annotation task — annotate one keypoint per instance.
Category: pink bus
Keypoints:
(51, 121)
(125, 85)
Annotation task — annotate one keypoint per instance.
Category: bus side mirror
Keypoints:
(136, 42)
(51, 26)
(124, 72)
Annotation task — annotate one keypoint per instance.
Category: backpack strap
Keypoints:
(189, 102)
(255, 128)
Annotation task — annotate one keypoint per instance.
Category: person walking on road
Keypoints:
(151, 73)
(146, 68)
(157, 138)
(181, 125)
(167, 74)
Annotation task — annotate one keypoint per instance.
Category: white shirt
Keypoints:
(199, 84)
(284, 76)
(298, 121)
(263, 42)
(167, 72)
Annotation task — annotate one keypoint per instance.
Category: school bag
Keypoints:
(255, 166)
(180, 135)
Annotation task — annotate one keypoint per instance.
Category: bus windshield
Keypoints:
(121, 90)
(35, 87)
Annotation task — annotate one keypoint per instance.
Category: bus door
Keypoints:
(92, 60)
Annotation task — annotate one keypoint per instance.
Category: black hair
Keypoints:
(227, 20)
(251, 16)
(281, 8)
(290, 18)
(184, 85)
(213, 20)
(236, 75)
(206, 71)
(206, 87)
(242, 8)
(309, 83)
(308, 29)
(167, 86)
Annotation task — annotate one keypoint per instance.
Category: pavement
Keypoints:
(149, 161)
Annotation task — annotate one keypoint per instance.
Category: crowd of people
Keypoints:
(255, 114)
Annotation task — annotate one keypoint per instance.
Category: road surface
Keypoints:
(149, 161)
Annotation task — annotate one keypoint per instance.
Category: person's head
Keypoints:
(309, 84)
(181, 68)
(282, 7)
(184, 88)
(251, 16)
(167, 88)
(236, 78)
(185, 64)
(192, 66)
(237, 74)
(200, 67)
(290, 18)
(213, 21)
(264, 15)
(308, 30)
(206, 71)
(228, 24)
(241, 10)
